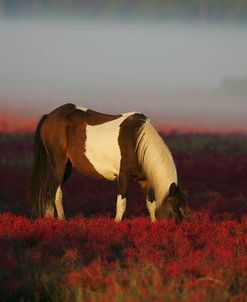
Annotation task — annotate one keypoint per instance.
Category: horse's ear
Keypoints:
(172, 189)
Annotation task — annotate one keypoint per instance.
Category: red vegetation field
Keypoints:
(91, 258)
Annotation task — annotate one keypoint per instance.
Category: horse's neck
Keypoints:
(166, 175)
(156, 160)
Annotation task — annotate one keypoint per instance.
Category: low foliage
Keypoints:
(91, 258)
(97, 260)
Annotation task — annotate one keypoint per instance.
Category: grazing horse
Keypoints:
(120, 147)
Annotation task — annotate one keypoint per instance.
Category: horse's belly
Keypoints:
(102, 149)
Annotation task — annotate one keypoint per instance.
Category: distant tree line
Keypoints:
(202, 9)
(235, 85)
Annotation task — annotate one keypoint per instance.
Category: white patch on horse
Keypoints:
(102, 148)
(81, 108)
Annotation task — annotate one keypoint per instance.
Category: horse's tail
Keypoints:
(39, 173)
(155, 159)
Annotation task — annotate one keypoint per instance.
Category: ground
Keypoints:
(91, 258)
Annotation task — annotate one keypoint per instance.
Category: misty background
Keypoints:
(180, 62)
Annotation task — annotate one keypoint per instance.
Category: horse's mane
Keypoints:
(156, 161)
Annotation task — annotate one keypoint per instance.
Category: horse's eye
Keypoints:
(175, 210)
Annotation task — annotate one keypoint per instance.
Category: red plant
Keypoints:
(92, 258)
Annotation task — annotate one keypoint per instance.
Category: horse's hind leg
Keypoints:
(62, 169)
(49, 209)
(59, 204)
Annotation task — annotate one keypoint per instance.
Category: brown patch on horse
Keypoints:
(64, 134)
(127, 142)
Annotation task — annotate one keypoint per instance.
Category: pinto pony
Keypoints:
(120, 147)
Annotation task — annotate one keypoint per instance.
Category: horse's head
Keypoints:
(174, 205)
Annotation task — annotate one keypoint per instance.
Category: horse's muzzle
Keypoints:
(180, 215)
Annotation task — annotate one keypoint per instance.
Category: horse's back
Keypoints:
(97, 144)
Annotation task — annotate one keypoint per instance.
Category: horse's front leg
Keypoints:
(122, 190)
(150, 198)
(151, 204)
